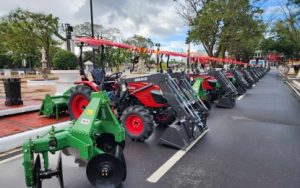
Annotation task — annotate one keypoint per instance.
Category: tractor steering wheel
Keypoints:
(114, 76)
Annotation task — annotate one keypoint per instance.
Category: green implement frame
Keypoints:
(54, 105)
(96, 133)
(200, 91)
(197, 86)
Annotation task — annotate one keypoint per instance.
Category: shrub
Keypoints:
(65, 60)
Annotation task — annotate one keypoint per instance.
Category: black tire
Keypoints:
(82, 91)
(143, 116)
(164, 121)
(207, 104)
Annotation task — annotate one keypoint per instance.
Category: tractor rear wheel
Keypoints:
(79, 100)
(138, 122)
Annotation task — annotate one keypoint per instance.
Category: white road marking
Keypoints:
(171, 162)
(10, 159)
(242, 96)
(254, 85)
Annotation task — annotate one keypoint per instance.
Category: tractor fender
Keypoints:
(90, 84)
(144, 96)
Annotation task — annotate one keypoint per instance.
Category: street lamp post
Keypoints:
(69, 30)
(188, 58)
(92, 29)
(157, 56)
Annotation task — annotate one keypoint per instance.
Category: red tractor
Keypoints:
(80, 95)
(140, 102)
(158, 97)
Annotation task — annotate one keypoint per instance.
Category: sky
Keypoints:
(156, 19)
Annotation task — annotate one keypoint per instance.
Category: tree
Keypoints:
(85, 29)
(65, 60)
(25, 33)
(140, 42)
(285, 33)
(190, 9)
(120, 56)
(223, 26)
(22, 45)
(99, 31)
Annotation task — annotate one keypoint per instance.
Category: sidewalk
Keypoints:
(293, 82)
(26, 103)
(24, 122)
(14, 130)
(32, 96)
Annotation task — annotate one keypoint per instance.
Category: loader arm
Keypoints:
(188, 125)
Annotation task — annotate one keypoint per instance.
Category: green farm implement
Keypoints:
(98, 137)
(207, 88)
(55, 105)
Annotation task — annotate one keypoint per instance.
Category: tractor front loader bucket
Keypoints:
(227, 100)
(188, 125)
(253, 74)
(55, 105)
(98, 137)
(248, 77)
(242, 85)
(190, 94)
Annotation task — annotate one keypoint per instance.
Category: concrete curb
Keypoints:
(11, 142)
(293, 88)
(19, 110)
(289, 81)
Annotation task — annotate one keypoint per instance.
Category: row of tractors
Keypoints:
(106, 109)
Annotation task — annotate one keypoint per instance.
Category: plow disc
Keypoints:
(98, 143)
(38, 175)
(107, 170)
(36, 171)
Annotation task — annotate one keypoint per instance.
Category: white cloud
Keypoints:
(156, 19)
(62, 9)
(135, 16)
(148, 18)
(274, 10)
(181, 46)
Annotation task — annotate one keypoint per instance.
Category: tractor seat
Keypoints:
(99, 77)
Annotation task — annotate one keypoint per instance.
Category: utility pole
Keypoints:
(92, 29)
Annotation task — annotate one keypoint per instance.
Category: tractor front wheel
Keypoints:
(138, 122)
(79, 100)
(164, 119)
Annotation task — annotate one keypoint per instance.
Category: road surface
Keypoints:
(255, 144)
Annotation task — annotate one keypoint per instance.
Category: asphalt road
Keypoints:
(255, 144)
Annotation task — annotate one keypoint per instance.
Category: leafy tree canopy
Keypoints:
(65, 60)
(25, 33)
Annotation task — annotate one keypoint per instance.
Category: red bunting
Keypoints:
(195, 59)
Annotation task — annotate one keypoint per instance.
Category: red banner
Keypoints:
(196, 59)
